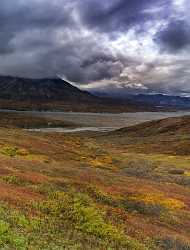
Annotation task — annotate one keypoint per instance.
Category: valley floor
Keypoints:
(92, 191)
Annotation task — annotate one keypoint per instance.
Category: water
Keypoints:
(73, 130)
(101, 121)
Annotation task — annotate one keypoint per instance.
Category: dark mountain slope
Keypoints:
(40, 89)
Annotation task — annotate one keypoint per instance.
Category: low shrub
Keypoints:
(176, 171)
(80, 212)
(14, 180)
(13, 151)
(152, 204)
(170, 243)
(140, 168)
(101, 196)
(9, 151)
(44, 188)
(22, 152)
(11, 235)
(144, 208)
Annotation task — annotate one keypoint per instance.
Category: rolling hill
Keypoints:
(166, 136)
(172, 125)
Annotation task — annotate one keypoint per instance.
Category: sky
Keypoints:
(121, 46)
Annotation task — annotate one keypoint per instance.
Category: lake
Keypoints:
(102, 121)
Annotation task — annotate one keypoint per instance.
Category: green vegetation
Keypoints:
(80, 213)
(65, 221)
(9, 151)
(15, 180)
(13, 151)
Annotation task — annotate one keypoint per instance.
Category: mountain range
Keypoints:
(161, 101)
(57, 94)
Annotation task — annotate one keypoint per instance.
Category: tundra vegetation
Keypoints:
(121, 190)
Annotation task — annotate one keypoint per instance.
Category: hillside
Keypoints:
(166, 136)
(83, 191)
(57, 94)
(174, 125)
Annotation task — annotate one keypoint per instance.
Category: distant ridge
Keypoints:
(161, 100)
(156, 100)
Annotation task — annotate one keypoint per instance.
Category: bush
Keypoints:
(140, 168)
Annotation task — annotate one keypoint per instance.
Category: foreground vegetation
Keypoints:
(116, 191)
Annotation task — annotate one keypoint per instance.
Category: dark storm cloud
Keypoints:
(20, 15)
(99, 58)
(119, 15)
(29, 32)
(79, 64)
(5, 46)
(41, 54)
(175, 36)
(90, 41)
(42, 38)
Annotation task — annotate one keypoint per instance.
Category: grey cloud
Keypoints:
(119, 15)
(19, 15)
(175, 36)
(5, 43)
(71, 59)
